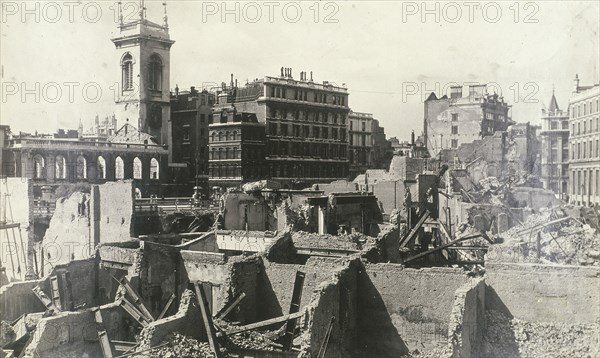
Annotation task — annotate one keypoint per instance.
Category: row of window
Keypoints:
(307, 116)
(306, 131)
(303, 149)
(279, 170)
(585, 182)
(585, 150)
(585, 108)
(363, 126)
(81, 168)
(585, 126)
(219, 136)
(302, 95)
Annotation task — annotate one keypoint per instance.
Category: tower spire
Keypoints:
(165, 18)
(142, 10)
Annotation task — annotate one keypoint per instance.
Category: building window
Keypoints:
(454, 129)
(81, 167)
(101, 168)
(454, 117)
(454, 143)
(119, 169)
(60, 167)
(155, 75)
(127, 72)
(38, 170)
(186, 132)
(154, 169)
(137, 168)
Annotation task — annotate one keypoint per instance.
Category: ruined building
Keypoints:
(584, 165)
(449, 122)
(555, 148)
(296, 131)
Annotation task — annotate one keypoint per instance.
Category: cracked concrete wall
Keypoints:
(404, 309)
(187, 321)
(333, 302)
(467, 321)
(544, 293)
(16, 299)
(114, 215)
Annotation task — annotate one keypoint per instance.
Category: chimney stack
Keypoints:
(455, 91)
(576, 84)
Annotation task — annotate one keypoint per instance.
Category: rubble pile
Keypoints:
(178, 345)
(506, 337)
(354, 241)
(552, 236)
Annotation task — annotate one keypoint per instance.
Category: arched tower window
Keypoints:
(137, 168)
(81, 168)
(38, 170)
(119, 169)
(61, 167)
(155, 75)
(154, 169)
(101, 168)
(127, 72)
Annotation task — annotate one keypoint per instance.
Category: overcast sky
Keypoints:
(389, 54)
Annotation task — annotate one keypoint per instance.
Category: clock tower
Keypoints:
(143, 66)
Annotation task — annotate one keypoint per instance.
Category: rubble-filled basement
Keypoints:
(465, 269)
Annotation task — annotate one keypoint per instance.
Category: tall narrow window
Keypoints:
(155, 68)
(154, 169)
(38, 162)
(137, 168)
(119, 169)
(81, 169)
(61, 168)
(101, 168)
(127, 72)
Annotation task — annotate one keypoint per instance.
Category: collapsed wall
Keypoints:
(402, 310)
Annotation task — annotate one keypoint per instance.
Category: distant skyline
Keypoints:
(388, 57)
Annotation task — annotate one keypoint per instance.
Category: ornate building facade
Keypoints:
(555, 149)
(584, 165)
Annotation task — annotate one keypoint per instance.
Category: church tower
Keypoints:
(142, 62)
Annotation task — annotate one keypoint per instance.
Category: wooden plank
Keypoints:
(167, 306)
(325, 343)
(265, 323)
(441, 247)
(230, 308)
(207, 319)
(45, 299)
(137, 300)
(414, 230)
(290, 325)
(133, 312)
(105, 344)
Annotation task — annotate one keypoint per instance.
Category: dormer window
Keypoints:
(127, 72)
(155, 68)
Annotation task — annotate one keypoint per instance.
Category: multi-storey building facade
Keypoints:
(305, 129)
(459, 119)
(382, 148)
(584, 165)
(360, 142)
(236, 145)
(555, 149)
(191, 112)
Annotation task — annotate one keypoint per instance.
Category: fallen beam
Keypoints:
(441, 247)
(45, 299)
(230, 308)
(105, 344)
(416, 228)
(133, 312)
(541, 226)
(136, 299)
(207, 319)
(260, 324)
(167, 306)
